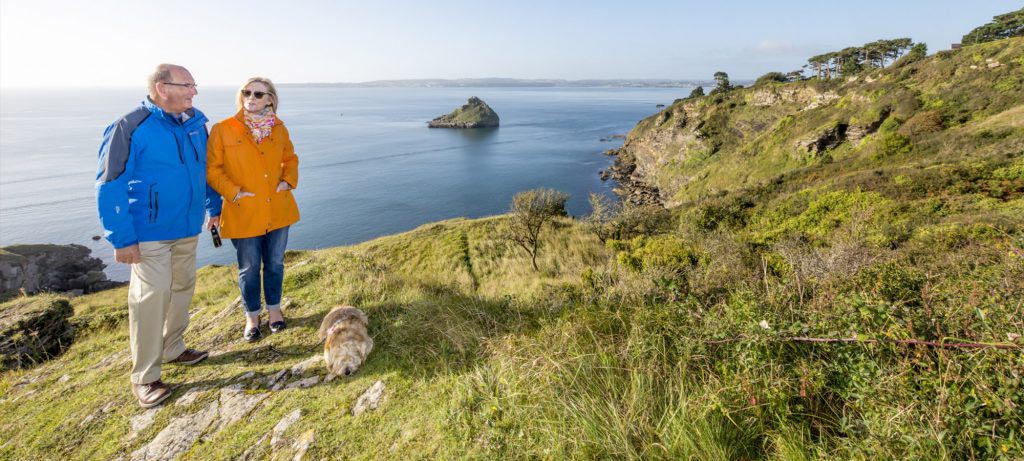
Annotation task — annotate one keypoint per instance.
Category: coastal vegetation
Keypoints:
(837, 273)
(1003, 26)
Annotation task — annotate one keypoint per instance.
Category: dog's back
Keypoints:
(341, 314)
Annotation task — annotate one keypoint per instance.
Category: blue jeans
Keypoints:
(266, 249)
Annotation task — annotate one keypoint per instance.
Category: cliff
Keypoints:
(703, 147)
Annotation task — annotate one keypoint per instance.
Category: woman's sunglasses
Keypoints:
(257, 94)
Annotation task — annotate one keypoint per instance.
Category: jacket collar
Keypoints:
(193, 117)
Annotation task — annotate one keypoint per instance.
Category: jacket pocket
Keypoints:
(154, 203)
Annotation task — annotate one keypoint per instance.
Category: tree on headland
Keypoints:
(852, 60)
(1003, 26)
(697, 92)
(530, 211)
(721, 83)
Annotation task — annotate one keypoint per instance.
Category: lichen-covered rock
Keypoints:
(474, 114)
(33, 330)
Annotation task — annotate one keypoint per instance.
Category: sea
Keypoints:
(368, 164)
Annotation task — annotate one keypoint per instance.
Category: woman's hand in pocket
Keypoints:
(242, 193)
(283, 186)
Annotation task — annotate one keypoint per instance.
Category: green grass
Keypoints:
(671, 343)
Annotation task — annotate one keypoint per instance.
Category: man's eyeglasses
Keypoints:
(190, 86)
(257, 94)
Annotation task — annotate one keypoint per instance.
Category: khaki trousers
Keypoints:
(159, 295)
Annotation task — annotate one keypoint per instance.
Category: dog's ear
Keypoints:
(362, 317)
(365, 347)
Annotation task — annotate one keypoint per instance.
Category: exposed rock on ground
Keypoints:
(370, 399)
(182, 432)
(33, 330)
(55, 268)
(474, 114)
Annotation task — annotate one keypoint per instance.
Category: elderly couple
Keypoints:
(159, 173)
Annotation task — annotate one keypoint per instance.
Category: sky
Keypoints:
(78, 43)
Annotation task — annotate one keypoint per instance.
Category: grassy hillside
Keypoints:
(674, 340)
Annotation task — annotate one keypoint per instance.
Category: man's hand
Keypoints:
(214, 221)
(283, 186)
(128, 255)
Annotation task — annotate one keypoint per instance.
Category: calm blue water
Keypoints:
(369, 166)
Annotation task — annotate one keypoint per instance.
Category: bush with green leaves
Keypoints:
(531, 210)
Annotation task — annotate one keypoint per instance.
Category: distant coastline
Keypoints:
(508, 83)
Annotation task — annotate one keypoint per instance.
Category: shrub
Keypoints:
(530, 211)
(771, 77)
(892, 144)
(634, 221)
(929, 121)
(894, 283)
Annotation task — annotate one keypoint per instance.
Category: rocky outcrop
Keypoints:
(33, 330)
(474, 114)
(51, 268)
(631, 190)
(808, 97)
(837, 134)
(828, 139)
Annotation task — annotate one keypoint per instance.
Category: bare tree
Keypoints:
(603, 211)
(530, 211)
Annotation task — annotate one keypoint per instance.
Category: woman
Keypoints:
(251, 162)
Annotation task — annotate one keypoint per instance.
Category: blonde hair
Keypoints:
(271, 91)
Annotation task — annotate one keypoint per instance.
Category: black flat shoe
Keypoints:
(252, 334)
(276, 326)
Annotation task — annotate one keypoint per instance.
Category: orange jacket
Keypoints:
(234, 162)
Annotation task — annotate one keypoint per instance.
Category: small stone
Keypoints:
(303, 443)
(64, 379)
(278, 433)
(303, 383)
(109, 407)
(1012, 337)
(370, 399)
(276, 378)
(304, 366)
(246, 376)
(764, 325)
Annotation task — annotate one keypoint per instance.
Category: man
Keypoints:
(151, 192)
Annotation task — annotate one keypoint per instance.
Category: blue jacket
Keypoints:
(151, 183)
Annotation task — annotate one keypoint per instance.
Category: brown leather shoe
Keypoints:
(190, 357)
(152, 394)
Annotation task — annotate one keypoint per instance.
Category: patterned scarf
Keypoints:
(260, 124)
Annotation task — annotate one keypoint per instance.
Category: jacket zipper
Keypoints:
(156, 206)
(152, 201)
(181, 158)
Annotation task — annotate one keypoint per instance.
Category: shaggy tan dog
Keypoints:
(347, 343)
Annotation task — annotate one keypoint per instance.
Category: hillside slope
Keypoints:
(863, 299)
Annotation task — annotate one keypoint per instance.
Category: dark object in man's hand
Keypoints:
(216, 237)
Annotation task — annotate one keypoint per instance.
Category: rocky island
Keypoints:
(474, 114)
